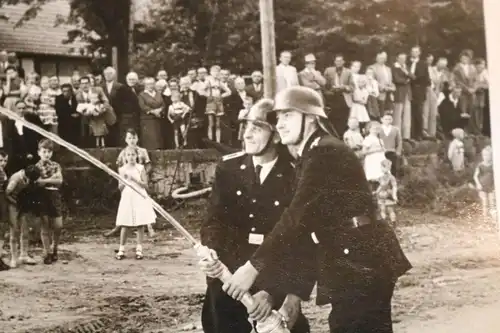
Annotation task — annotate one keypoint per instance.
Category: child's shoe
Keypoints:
(27, 260)
(47, 260)
(120, 255)
(138, 253)
(55, 257)
(3, 266)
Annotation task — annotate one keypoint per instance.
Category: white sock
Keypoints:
(138, 248)
(121, 248)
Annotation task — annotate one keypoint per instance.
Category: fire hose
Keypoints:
(274, 323)
(180, 192)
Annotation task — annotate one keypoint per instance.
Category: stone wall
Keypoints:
(171, 168)
(92, 187)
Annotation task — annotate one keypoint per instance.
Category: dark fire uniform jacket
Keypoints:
(334, 207)
(242, 213)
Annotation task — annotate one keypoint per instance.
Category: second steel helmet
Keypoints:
(301, 99)
(261, 114)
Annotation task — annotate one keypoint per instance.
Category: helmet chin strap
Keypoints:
(266, 147)
(300, 138)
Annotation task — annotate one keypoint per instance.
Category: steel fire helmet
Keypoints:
(301, 99)
(261, 114)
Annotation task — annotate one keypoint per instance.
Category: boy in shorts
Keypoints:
(49, 195)
(19, 196)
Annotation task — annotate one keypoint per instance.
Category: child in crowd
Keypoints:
(131, 139)
(359, 100)
(387, 192)
(372, 105)
(247, 105)
(96, 111)
(47, 107)
(177, 112)
(374, 153)
(4, 208)
(456, 150)
(353, 137)
(215, 91)
(392, 139)
(50, 209)
(134, 210)
(483, 178)
(31, 101)
(20, 200)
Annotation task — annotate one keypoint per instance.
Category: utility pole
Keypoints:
(268, 47)
(131, 27)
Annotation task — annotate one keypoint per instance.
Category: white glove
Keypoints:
(211, 266)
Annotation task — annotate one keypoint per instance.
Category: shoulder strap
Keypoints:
(233, 155)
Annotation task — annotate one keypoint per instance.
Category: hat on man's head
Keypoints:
(261, 114)
(302, 99)
(310, 58)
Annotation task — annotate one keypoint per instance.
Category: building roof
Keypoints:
(38, 35)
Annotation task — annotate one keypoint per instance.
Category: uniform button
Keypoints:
(254, 200)
(253, 229)
(238, 192)
(276, 203)
(250, 216)
(346, 251)
(243, 167)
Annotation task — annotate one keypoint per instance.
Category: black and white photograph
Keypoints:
(249, 166)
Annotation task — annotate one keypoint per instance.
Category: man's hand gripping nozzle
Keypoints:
(274, 323)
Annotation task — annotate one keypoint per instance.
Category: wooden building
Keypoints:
(39, 43)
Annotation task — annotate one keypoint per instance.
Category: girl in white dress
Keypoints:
(134, 210)
(359, 99)
(374, 153)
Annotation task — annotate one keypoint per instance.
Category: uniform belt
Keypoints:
(355, 222)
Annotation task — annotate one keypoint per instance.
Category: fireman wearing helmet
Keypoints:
(357, 257)
(250, 192)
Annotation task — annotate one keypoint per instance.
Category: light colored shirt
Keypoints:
(109, 86)
(266, 168)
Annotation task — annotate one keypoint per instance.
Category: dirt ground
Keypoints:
(454, 286)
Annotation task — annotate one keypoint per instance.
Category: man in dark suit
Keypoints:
(450, 111)
(196, 125)
(337, 93)
(69, 119)
(82, 96)
(402, 96)
(250, 192)
(131, 109)
(21, 143)
(420, 80)
(256, 89)
(114, 91)
(236, 103)
(358, 257)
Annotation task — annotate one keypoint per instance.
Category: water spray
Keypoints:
(274, 323)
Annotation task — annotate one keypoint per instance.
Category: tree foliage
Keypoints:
(201, 32)
(188, 33)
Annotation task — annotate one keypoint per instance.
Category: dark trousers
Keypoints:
(222, 314)
(486, 115)
(385, 105)
(393, 157)
(338, 111)
(368, 311)
(416, 119)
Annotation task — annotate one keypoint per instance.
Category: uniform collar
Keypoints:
(265, 165)
(306, 144)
